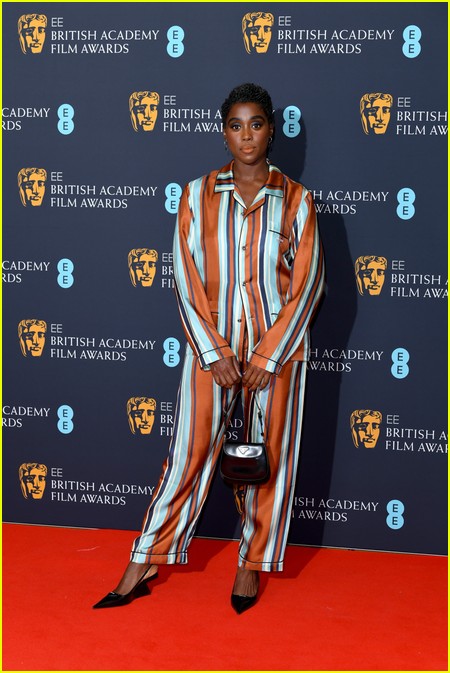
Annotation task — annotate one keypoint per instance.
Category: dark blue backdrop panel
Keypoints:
(360, 107)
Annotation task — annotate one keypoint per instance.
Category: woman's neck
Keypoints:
(249, 180)
(250, 173)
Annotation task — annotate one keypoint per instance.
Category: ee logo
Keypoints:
(173, 194)
(171, 347)
(405, 208)
(65, 268)
(175, 46)
(65, 116)
(395, 509)
(291, 126)
(400, 359)
(65, 415)
(412, 47)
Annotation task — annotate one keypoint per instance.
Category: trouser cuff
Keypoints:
(159, 559)
(265, 566)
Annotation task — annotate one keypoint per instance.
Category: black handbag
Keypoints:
(244, 462)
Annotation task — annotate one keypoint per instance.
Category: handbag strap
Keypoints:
(227, 412)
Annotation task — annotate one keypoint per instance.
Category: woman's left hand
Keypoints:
(254, 377)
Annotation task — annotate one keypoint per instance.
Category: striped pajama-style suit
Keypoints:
(247, 281)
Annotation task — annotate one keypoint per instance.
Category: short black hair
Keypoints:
(248, 93)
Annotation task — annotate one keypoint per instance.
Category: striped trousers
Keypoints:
(171, 518)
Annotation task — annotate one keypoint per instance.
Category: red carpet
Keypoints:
(330, 610)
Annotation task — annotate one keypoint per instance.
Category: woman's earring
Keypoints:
(225, 144)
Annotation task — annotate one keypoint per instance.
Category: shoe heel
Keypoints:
(141, 590)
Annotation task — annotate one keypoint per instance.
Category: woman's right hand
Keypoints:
(226, 372)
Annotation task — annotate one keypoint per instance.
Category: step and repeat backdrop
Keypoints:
(109, 109)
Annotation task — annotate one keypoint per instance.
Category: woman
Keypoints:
(249, 273)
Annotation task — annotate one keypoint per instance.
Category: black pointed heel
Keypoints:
(114, 600)
(242, 603)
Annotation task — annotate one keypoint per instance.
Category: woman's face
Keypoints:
(247, 132)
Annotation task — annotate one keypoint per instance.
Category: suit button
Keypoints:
(239, 320)
(243, 283)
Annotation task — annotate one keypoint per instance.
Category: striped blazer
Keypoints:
(258, 268)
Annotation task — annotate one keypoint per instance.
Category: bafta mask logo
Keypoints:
(33, 478)
(239, 493)
(32, 337)
(370, 273)
(31, 28)
(143, 110)
(375, 109)
(257, 31)
(141, 414)
(365, 426)
(142, 266)
(31, 183)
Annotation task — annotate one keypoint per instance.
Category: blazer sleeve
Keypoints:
(198, 324)
(287, 333)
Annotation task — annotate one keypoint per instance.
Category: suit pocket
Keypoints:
(280, 241)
